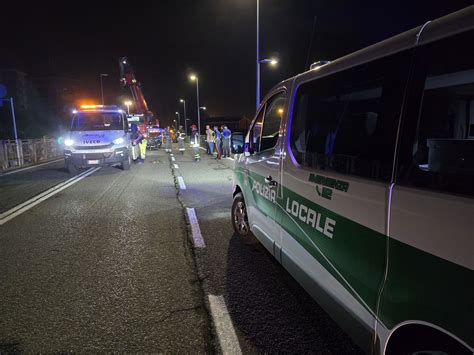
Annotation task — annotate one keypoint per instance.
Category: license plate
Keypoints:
(92, 162)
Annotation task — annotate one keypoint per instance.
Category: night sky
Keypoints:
(166, 40)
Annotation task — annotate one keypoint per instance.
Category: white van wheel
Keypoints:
(240, 220)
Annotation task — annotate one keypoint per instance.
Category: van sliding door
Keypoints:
(336, 178)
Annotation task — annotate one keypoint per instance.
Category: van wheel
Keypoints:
(126, 164)
(71, 168)
(240, 220)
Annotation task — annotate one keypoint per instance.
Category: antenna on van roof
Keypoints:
(310, 42)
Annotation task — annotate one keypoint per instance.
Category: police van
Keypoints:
(99, 136)
(358, 177)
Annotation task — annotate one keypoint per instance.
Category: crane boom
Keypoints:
(127, 78)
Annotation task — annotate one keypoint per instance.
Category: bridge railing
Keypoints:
(28, 152)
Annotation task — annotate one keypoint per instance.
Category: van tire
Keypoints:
(71, 168)
(240, 221)
(126, 164)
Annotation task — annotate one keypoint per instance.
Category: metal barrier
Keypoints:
(27, 152)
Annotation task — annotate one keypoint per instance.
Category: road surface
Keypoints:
(106, 261)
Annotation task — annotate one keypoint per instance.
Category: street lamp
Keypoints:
(194, 77)
(179, 118)
(128, 103)
(185, 119)
(203, 108)
(273, 62)
(102, 87)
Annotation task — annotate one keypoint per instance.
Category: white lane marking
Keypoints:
(171, 154)
(17, 207)
(224, 328)
(173, 159)
(195, 230)
(181, 183)
(25, 206)
(176, 166)
(29, 167)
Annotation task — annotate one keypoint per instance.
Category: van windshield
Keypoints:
(97, 121)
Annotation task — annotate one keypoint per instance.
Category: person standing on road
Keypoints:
(181, 136)
(195, 142)
(210, 137)
(206, 142)
(218, 142)
(168, 140)
(226, 136)
(137, 142)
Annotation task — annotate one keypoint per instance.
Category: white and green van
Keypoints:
(358, 177)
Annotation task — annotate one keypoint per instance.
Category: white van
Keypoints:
(99, 136)
(358, 176)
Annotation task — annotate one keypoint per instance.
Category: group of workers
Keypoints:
(217, 141)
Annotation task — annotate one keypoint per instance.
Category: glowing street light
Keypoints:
(128, 104)
(203, 108)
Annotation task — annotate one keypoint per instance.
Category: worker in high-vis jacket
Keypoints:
(138, 139)
(195, 142)
(181, 137)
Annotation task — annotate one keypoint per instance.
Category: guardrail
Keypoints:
(27, 152)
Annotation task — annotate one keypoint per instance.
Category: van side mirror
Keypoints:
(237, 149)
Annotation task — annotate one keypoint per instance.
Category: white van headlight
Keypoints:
(68, 142)
(119, 140)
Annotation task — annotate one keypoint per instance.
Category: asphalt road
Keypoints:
(108, 264)
(270, 312)
(104, 265)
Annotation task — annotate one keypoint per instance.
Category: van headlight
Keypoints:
(119, 140)
(68, 142)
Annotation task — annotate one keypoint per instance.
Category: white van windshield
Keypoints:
(97, 121)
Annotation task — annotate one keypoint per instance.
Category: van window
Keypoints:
(271, 124)
(440, 137)
(347, 122)
(256, 132)
(265, 131)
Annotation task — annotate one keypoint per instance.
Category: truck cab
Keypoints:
(99, 136)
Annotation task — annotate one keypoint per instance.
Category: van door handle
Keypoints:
(269, 180)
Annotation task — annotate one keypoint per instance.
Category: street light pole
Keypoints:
(194, 77)
(102, 87)
(15, 134)
(257, 96)
(185, 121)
(179, 118)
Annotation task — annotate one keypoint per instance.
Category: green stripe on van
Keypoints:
(420, 285)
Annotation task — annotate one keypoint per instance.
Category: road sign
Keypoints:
(3, 91)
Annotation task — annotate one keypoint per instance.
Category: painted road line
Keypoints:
(25, 206)
(224, 328)
(30, 167)
(17, 207)
(195, 230)
(176, 166)
(181, 183)
(173, 159)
